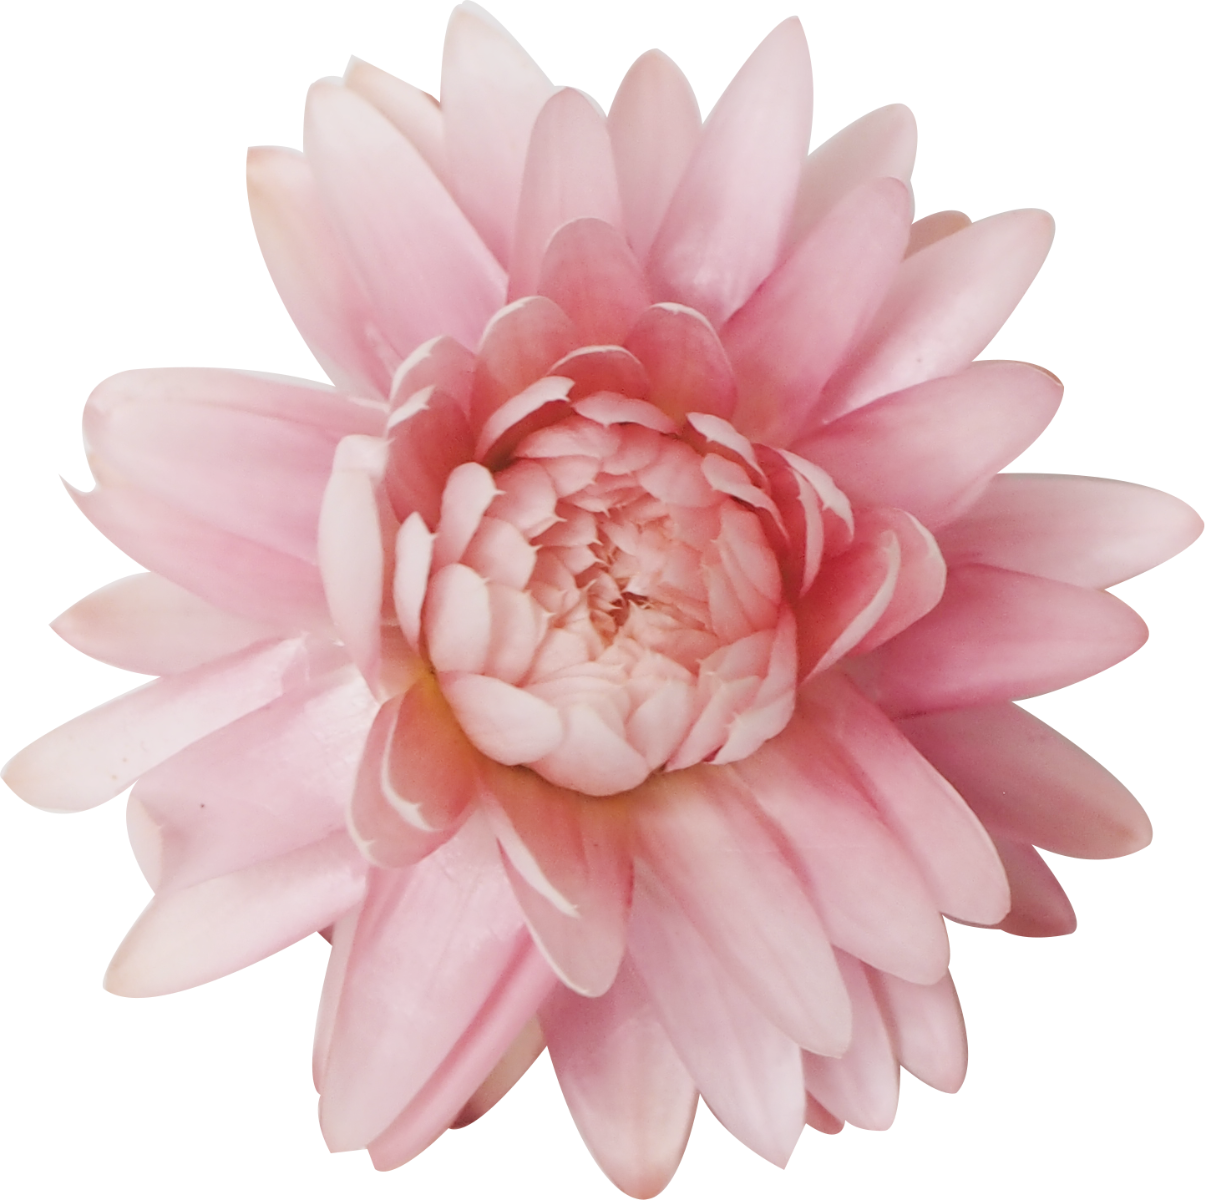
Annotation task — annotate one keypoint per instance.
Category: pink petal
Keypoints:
(414, 112)
(997, 635)
(1028, 783)
(872, 900)
(433, 944)
(626, 1088)
(510, 1068)
(441, 363)
(926, 1028)
(747, 1070)
(698, 833)
(1093, 532)
(591, 757)
(265, 785)
(569, 173)
(414, 554)
(145, 623)
(948, 844)
(466, 496)
(504, 722)
(196, 934)
(931, 229)
(687, 366)
(534, 408)
(654, 127)
(492, 92)
(1039, 907)
(860, 1087)
(945, 305)
(523, 987)
(568, 859)
(727, 219)
(101, 753)
(820, 1118)
(796, 329)
(931, 449)
(428, 437)
(312, 274)
(457, 620)
(342, 942)
(422, 264)
(879, 145)
(595, 369)
(610, 408)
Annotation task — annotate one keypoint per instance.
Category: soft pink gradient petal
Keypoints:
(414, 112)
(521, 1054)
(932, 448)
(880, 145)
(945, 305)
(193, 935)
(698, 833)
(1039, 907)
(926, 1028)
(930, 229)
(791, 335)
(441, 363)
(313, 276)
(492, 92)
(423, 266)
(861, 1087)
(428, 437)
(727, 219)
(688, 368)
(1028, 783)
(569, 173)
(146, 624)
(502, 721)
(746, 1069)
(97, 755)
(1093, 532)
(628, 1091)
(998, 635)
(414, 555)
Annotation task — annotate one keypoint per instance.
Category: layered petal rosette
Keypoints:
(620, 657)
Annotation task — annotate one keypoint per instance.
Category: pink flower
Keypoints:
(613, 685)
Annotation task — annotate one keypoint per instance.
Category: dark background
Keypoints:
(131, 248)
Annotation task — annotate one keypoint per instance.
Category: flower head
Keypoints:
(620, 656)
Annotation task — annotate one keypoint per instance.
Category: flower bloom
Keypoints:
(620, 657)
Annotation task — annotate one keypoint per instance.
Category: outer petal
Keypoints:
(727, 220)
(1093, 532)
(1028, 783)
(930, 229)
(945, 304)
(414, 112)
(509, 1069)
(623, 1081)
(926, 1028)
(1039, 907)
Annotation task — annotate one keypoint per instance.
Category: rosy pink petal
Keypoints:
(196, 934)
(422, 264)
(504, 722)
(428, 437)
(414, 554)
(880, 145)
(820, 1118)
(509, 1069)
(312, 274)
(610, 408)
(628, 1092)
(145, 623)
(848, 597)
(654, 127)
(522, 988)
(948, 844)
(569, 862)
(441, 363)
(1028, 783)
(793, 333)
(658, 724)
(541, 404)
(589, 270)
(698, 832)
(519, 346)
(931, 449)
(933, 228)
(101, 753)
(921, 574)
(596, 369)
(569, 173)
(747, 1070)
(267, 784)
(860, 1087)
(1039, 907)
(414, 112)
(433, 944)
(802, 518)
(492, 92)
(838, 521)
(501, 553)
(926, 1028)
(871, 898)
(342, 942)
(998, 635)
(468, 492)
(1093, 532)
(687, 366)
(458, 619)
(591, 756)
(727, 219)
(944, 306)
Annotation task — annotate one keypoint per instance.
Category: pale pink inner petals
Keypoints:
(926, 1028)
(414, 554)
(414, 112)
(880, 145)
(933, 228)
(541, 404)
(687, 367)
(1039, 906)
(502, 721)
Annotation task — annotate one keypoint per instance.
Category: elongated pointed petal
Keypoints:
(522, 1053)
(926, 1028)
(933, 228)
(1039, 907)
(414, 112)
(688, 368)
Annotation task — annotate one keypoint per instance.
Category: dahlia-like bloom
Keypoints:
(620, 656)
